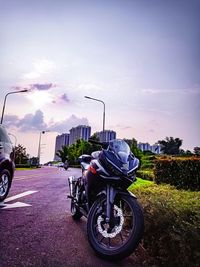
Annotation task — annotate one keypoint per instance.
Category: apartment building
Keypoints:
(61, 140)
(106, 135)
(80, 132)
(155, 148)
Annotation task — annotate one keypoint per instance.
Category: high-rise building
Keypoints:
(61, 140)
(80, 132)
(144, 146)
(156, 149)
(105, 136)
(147, 147)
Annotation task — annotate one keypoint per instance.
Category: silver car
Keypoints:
(7, 166)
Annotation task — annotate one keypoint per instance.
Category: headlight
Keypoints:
(112, 170)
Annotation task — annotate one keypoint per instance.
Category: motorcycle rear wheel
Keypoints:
(118, 242)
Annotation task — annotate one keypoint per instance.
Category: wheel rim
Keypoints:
(115, 237)
(4, 184)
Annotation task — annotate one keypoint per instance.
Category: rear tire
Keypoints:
(5, 183)
(97, 236)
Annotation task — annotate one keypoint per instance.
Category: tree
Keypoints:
(197, 150)
(170, 146)
(21, 157)
(63, 153)
(94, 147)
(33, 161)
(73, 152)
(133, 146)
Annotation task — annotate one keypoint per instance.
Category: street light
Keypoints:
(15, 92)
(39, 147)
(103, 109)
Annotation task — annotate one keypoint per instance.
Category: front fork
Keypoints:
(110, 196)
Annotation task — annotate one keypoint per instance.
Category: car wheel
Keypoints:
(5, 182)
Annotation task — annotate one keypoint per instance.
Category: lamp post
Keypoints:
(4, 104)
(103, 109)
(39, 147)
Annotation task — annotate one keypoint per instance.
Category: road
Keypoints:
(36, 228)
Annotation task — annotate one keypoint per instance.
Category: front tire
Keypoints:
(5, 183)
(118, 242)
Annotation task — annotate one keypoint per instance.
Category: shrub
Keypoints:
(146, 174)
(172, 228)
(181, 172)
(22, 165)
(146, 165)
(147, 162)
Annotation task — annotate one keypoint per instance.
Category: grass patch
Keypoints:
(140, 183)
(25, 169)
(172, 224)
(146, 174)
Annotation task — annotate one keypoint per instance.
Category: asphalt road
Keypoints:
(36, 228)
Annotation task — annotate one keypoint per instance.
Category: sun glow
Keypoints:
(40, 98)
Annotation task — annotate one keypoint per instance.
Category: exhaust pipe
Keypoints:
(72, 180)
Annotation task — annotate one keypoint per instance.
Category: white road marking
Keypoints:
(19, 196)
(14, 205)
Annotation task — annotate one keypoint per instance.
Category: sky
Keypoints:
(141, 57)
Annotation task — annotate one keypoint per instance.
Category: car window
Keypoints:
(4, 136)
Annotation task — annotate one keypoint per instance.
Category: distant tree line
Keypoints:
(169, 146)
(22, 158)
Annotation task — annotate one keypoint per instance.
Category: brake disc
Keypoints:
(116, 230)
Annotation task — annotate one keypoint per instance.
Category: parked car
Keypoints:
(7, 166)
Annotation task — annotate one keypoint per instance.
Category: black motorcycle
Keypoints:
(114, 218)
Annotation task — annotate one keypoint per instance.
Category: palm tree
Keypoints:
(63, 154)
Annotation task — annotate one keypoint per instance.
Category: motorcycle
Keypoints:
(115, 220)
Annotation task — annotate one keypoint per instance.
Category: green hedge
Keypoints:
(23, 166)
(172, 226)
(181, 172)
(145, 174)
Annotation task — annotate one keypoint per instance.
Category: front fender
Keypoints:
(126, 193)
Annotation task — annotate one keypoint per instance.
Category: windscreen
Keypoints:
(120, 148)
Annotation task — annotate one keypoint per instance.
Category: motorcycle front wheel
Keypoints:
(119, 238)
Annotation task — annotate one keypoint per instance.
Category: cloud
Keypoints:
(40, 68)
(35, 86)
(152, 130)
(67, 124)
(42, 86)
(18, 88)
(29, 123)
(153, 91)
(64, 98)
(60, 99)
(123, 127)
(35, 122)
